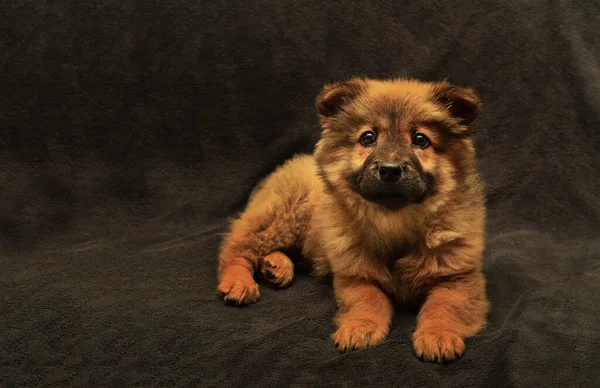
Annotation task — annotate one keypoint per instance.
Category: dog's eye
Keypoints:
(420, 140)
(367, 138)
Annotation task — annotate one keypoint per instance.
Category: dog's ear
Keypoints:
(333, 97)
(463, 103)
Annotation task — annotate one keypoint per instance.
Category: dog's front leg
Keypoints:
(364, 315)
(453, 311)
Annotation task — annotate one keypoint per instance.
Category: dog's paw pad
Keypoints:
(278, 269)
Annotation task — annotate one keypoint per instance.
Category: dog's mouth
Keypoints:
(393, 198)
(392, 201)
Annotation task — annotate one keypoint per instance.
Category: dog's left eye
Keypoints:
(367, 138)
(420, 140)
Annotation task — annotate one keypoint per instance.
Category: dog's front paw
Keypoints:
(358, 334)
(438, 346)
(238, 291)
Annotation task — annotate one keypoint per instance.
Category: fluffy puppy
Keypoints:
(390, 204)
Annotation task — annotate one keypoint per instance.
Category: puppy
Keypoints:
(390, 204)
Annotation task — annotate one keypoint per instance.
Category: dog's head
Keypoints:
(395, 142)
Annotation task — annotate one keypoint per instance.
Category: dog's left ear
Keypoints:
(463, 103)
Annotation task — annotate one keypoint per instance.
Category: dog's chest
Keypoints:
(409, 277)
(396, 253)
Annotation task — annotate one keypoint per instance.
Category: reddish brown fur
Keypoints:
(427, 253)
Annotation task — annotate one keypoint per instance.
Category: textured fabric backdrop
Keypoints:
(131, 130)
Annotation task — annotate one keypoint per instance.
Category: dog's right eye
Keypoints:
(367, 138)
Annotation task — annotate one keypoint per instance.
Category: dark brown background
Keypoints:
(131, 130)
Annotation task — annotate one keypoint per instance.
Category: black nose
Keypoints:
(390, 172)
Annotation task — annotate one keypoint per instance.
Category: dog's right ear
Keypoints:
(335, 96)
